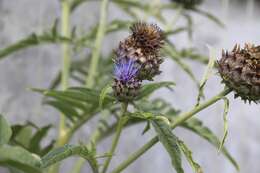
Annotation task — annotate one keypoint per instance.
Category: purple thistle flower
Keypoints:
(126, 69)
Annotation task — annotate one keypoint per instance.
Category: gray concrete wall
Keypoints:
(35, 67)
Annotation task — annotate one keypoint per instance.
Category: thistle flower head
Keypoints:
(126, 84)
(126, 69)
(143, 46)
(240, 71)
(137, 59)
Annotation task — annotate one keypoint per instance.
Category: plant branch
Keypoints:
(66, 61)
(98, 43)
(182, 118)
(119, 129)
(65, 48)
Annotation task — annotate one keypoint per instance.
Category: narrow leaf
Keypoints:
(70, 112)
(170, 142)
(20, 158)
(103, 94)
(194, 125)
(37, 138)
(198, 128)
(5, 131)
(209, 16)
(66, 151)
(207, 73)
(188, 154)
(148, 89)
(23, 136)
(147, 127)
(226, 107)
(32, 40)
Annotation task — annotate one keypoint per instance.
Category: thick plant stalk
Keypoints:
(182, 118)
(66, 61)
(119, 129)
(98, 43)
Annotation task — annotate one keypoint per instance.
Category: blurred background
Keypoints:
(36, 66)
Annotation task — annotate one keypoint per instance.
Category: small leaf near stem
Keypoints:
(188, 154)
(103, 94)
(207, 73)
(5, 131)
(226, 107)
(170, 143)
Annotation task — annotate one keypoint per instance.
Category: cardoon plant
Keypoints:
(113, 90)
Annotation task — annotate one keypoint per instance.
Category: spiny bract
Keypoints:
(240, 71)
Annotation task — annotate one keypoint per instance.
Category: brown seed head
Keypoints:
(240, 71)
(148, 37)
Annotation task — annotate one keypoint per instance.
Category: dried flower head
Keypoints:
(143, 46)
(126, 85)
(240, 71)
(148, 37)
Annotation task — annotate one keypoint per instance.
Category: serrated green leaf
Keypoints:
(170, 142)
(70, 112)
(103, 94)
(5, 131)
(148, 89)
(66, 151)
(23, 136)
(77, 117)
(156, 106)
(91, 95)
(198, 128)
(32, 40)
(194, 124)
(226, 107)
(35, 141)
(20, 158)
(71, 100)
(188, 154)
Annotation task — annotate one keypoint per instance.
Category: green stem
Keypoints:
(97, 47)
(182, 118)
(65, 32)
(94, 139)
(119, 128)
